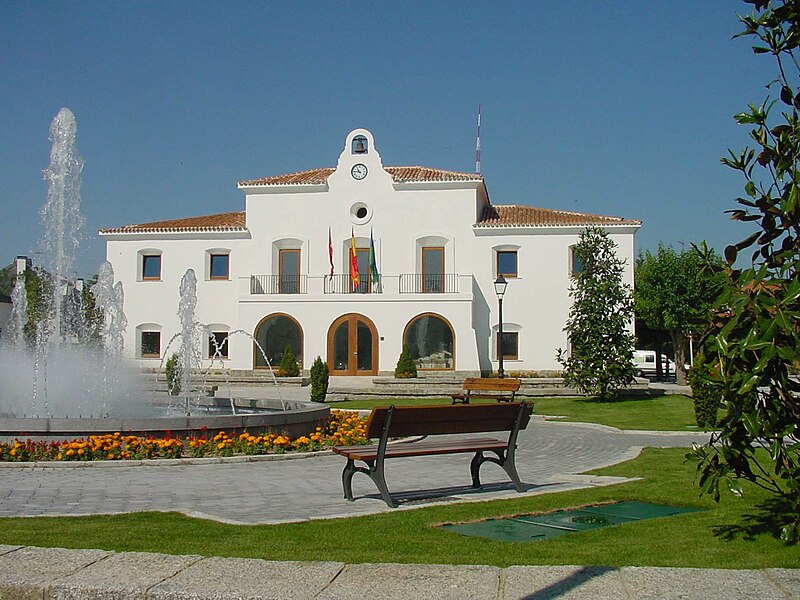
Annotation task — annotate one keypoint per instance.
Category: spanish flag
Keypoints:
(354, 262)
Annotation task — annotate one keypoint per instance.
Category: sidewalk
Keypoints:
(56, 573)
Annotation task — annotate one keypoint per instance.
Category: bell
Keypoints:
(360, 145)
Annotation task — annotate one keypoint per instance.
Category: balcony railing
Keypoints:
(278, 284)
(343, 284)
(429, 283)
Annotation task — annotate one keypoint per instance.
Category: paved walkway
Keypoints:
(550, 458)
(94, 574)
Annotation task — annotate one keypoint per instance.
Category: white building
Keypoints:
(439, 244)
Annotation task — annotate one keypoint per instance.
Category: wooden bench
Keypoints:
(403, 421)
(502, 390)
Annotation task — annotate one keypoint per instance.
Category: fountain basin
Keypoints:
(299, 418)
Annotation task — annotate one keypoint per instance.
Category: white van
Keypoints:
(645, 361)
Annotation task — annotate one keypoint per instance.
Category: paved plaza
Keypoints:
(279, 489)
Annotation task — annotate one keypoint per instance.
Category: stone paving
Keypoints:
(550, 457)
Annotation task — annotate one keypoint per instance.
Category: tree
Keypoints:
(601, 344)
(673, 294)
(754, 339)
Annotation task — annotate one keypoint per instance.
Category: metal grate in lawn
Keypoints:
(530, 528)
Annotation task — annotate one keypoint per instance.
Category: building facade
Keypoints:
(352, 263)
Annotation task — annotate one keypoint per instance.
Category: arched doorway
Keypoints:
(353, 346)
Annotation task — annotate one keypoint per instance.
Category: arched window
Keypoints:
(431, 342)
(273, 334)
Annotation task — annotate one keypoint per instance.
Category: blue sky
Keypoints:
(608, 107)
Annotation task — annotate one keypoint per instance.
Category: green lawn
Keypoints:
(729, 535)
(659, 413)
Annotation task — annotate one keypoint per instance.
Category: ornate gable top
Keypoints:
(398, 174)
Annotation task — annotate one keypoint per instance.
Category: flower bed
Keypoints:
(343, 427)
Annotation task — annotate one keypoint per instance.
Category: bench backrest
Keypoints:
(487, 384)
(449, 418)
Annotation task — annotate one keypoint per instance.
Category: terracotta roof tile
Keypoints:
(301, 177)
(407, 174)
(233, 221)
(530, 216)
(399, 175)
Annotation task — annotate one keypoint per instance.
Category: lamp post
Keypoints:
(500, 285)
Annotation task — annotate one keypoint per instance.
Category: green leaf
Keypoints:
(735, 487)
(749, 384)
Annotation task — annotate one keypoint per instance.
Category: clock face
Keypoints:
(359, 171)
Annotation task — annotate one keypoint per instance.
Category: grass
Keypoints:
(657, 413)
(734, 534)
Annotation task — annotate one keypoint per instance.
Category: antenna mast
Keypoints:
(478, 145)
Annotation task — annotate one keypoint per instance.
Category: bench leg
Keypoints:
(475, 468)
(505, 460)
(347, 479)
(375, 472)
(511, 468)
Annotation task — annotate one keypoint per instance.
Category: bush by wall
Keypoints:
(172, 372)
(288, 366)
(406, 367)
(319, 380)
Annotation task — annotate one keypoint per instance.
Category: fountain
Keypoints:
(80, 382)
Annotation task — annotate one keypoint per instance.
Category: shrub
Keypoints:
(319, 380)
(288, 366)
(406, 367)
(707, 396)
(172, 372)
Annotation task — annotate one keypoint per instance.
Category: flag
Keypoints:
(354, 262)
(373, 265)
(330, 251)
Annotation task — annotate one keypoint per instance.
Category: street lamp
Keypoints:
(500, 285)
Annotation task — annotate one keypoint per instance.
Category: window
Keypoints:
(360, 145)
(289, 271)
(508, 345)
(576, 265)
(219, 266)
(218, 344)
(273, 334)
(151, 344)
(151, 266)
(429, 339)
(364, 276)
(433, 269)
(507, 263)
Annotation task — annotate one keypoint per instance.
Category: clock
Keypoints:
(358, 171)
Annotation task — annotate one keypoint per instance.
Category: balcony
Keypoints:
(429, 283)
(342, 284)
(314, 287)
(278, 284)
